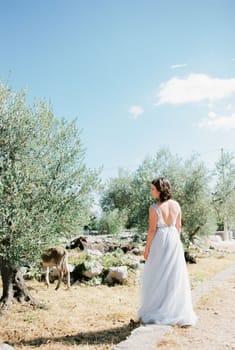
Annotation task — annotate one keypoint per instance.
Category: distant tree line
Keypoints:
(207, 197)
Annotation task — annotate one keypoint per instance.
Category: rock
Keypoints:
(133, 262)
(118, 274)
(93, 268)
(93, 252)
(144, 338)
(4, 346)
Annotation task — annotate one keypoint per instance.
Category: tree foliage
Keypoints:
(162, 164)
(224, 193)
(45, 187)
(189, 181)
(195, 198)
(118, 192)
(115, 202)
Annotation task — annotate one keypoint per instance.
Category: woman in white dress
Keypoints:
(165, 293)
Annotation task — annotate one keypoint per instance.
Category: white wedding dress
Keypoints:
(165, 293)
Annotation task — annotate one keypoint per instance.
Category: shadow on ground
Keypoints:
(106, 336)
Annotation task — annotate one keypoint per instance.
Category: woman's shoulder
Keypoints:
(153, 206)
(174, 203)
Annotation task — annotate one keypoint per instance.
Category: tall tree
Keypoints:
(195, 199)
(162, 164)
(116, 201)
(45, 187)
(190, 183)
(224, 192)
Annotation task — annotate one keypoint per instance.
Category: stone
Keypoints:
(117, 274)
(4, 346)
(93, 268)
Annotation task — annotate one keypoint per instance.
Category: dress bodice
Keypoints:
(161, 222)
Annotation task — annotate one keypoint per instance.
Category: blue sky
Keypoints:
(138, 74)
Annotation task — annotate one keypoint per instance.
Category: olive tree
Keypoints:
(190, 183)
(45, 187)
(224, 192)
(130, 192)
(194, 196)
(116, 202)
(162, 164)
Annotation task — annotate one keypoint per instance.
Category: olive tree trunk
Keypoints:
(14, 287)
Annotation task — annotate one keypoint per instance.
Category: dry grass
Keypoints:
(207, 267)
(94, 318)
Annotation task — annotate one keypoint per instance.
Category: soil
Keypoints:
(97, 318)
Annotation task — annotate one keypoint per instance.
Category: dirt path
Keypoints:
(216, 326)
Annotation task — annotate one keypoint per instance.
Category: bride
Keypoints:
(165, 291)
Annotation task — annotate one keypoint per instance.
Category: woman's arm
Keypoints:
(178, 224)
(151, 231)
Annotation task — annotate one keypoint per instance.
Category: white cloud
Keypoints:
(229, 107)
(136, 111)
(175, 66)
(195, 88)
(211, 115)
(215, 122)
(211, 105)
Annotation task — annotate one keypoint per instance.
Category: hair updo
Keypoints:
(164, 187)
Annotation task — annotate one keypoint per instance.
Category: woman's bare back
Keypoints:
(170, 210)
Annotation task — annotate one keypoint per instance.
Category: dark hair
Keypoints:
(164, 187)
